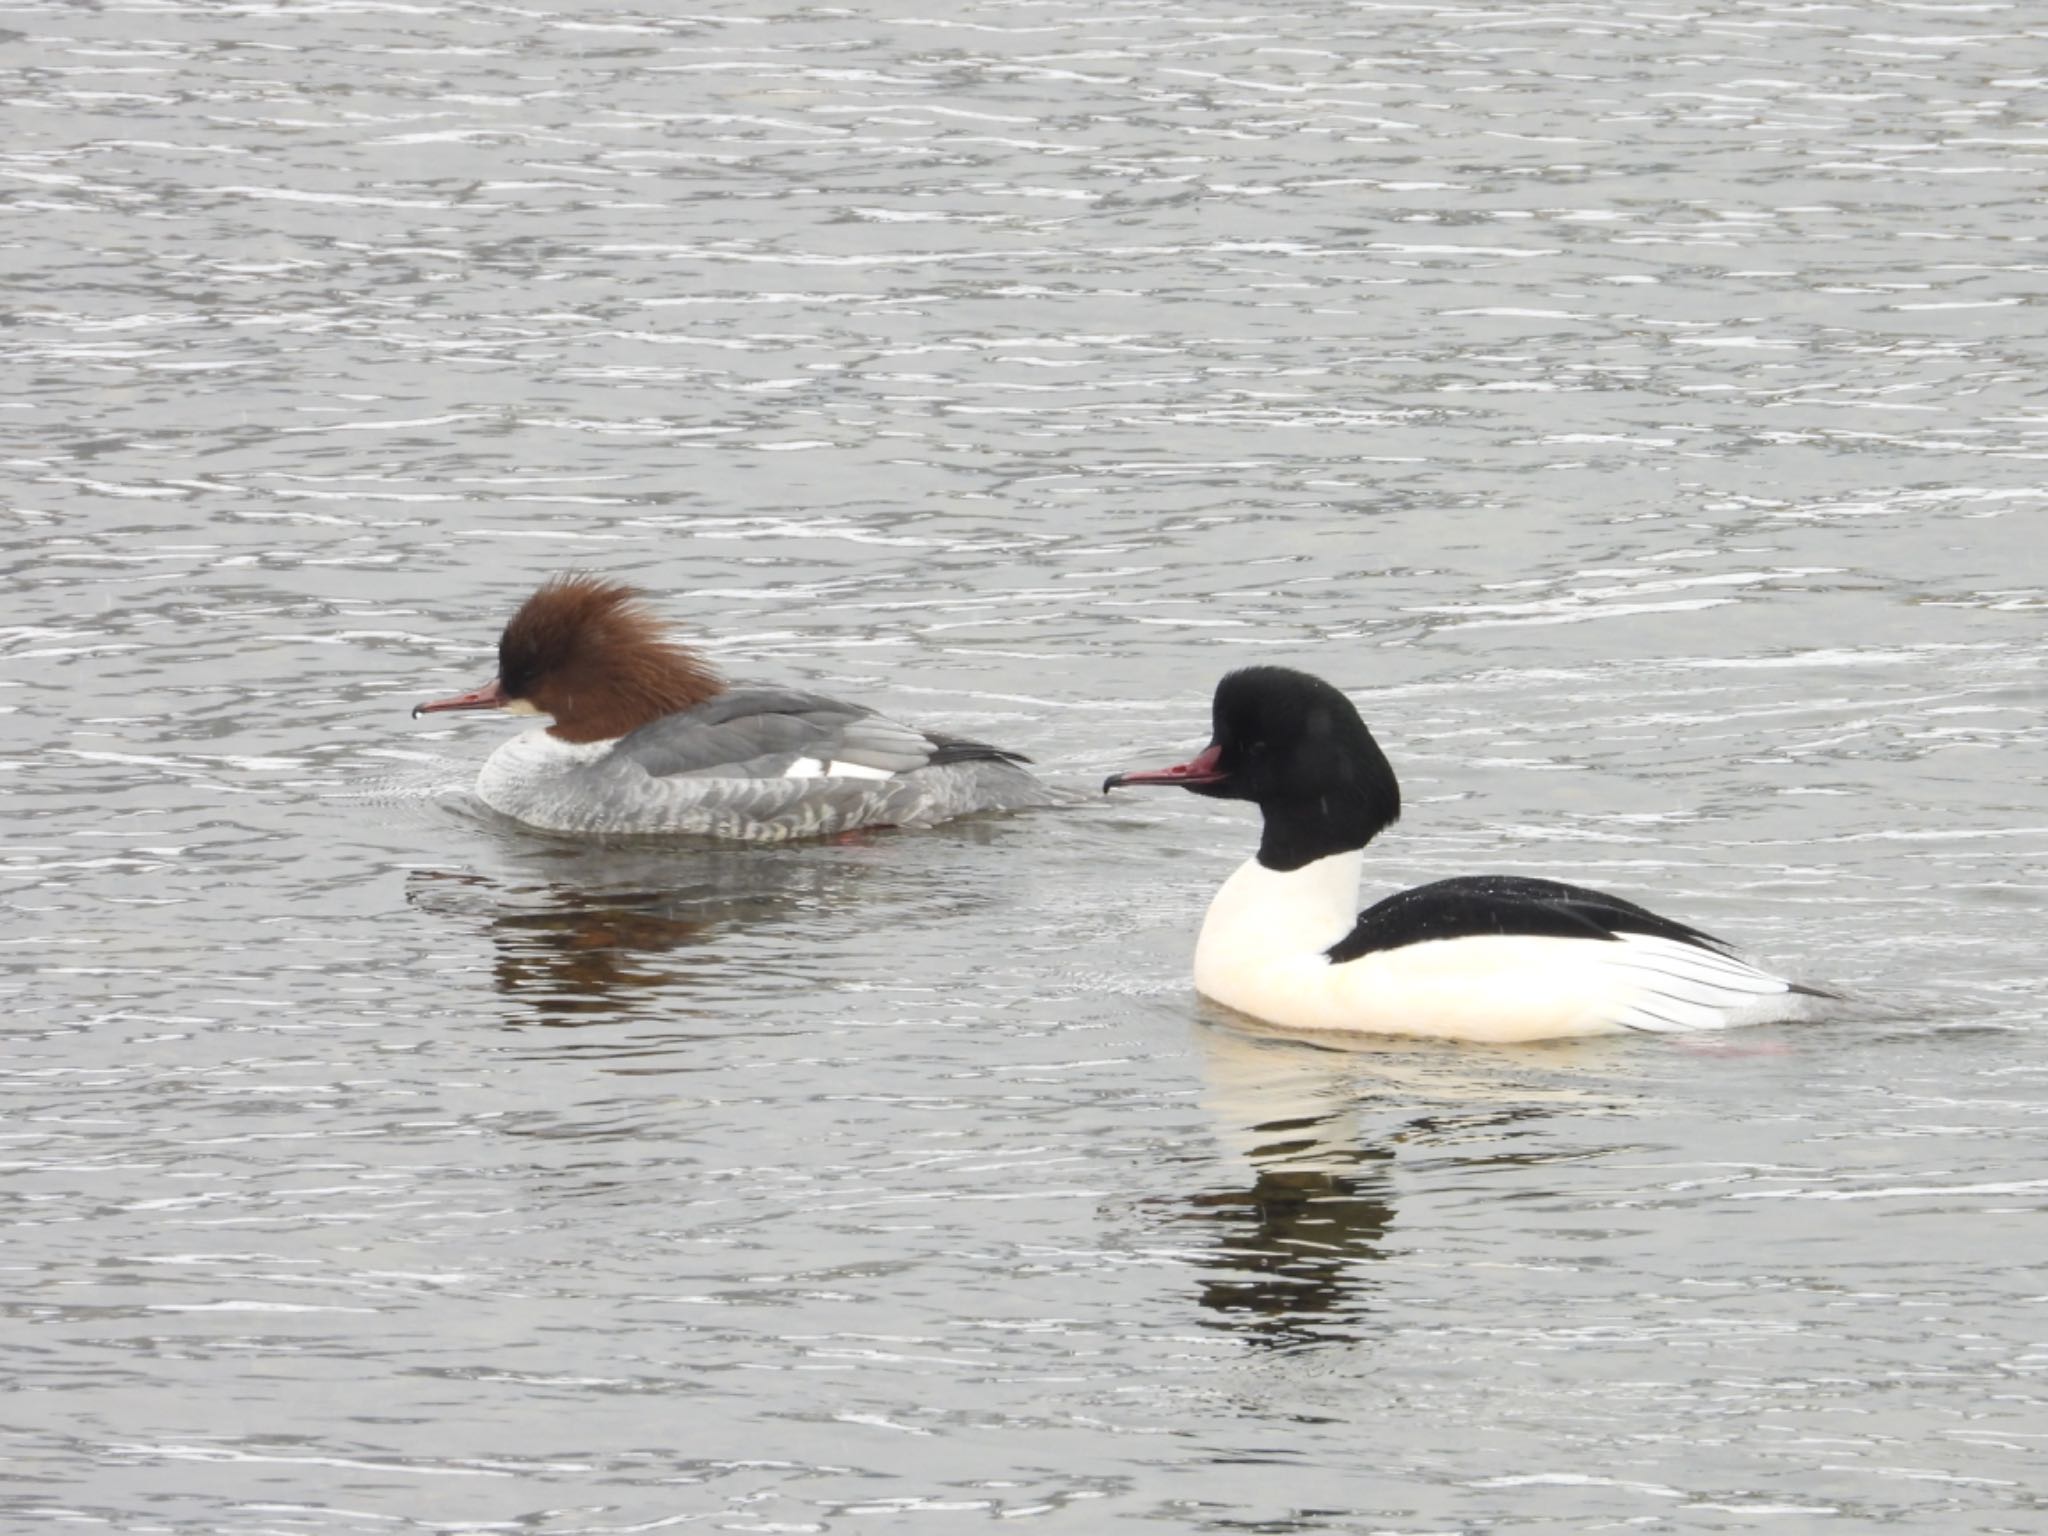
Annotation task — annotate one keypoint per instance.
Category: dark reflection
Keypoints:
(1318, 1124)
(684, 931)
(592, 935)
(1292, 1251)
(1288, 1248)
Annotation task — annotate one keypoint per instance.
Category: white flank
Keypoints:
(1262, 952)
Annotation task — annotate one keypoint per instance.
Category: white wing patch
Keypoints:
(815, 768)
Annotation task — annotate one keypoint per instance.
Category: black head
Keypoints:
(1294, 746)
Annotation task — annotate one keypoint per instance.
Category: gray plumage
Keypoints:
(762, 732)
(757, 764)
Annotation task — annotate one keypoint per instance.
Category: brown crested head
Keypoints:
(588, 652)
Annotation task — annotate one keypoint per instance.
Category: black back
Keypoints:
(1475, 905)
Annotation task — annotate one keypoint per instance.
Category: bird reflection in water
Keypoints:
(1318, 1124)
(1292, 1250)
(603, 933)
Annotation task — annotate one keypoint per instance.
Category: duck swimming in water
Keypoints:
(647, 738)
(1496, 958)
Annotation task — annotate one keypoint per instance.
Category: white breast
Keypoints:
(529, 770)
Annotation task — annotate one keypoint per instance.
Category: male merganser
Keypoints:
(647, 738)
(1493, 958)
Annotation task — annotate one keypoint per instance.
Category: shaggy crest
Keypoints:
(588, 652)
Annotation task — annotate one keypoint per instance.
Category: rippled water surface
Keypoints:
(1637, 410)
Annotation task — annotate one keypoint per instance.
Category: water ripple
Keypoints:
(1635, 413)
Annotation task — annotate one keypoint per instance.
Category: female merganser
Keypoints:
(1493, 958)
(647, 738)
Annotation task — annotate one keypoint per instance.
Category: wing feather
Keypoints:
(768, 733)
(1668, 977)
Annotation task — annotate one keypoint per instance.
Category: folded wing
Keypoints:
(776, 733)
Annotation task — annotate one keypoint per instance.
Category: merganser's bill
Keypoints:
(1493, 958)
(647, 738)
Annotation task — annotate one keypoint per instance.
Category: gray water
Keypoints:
(1638, 411)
